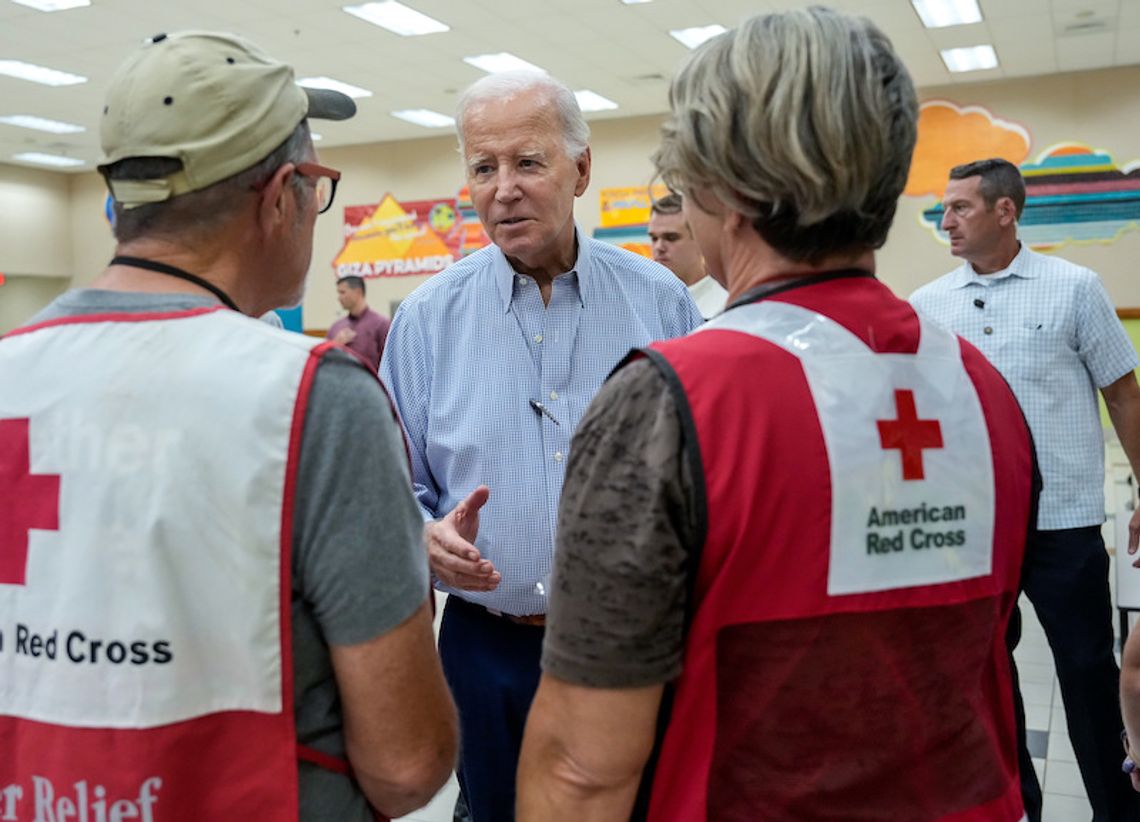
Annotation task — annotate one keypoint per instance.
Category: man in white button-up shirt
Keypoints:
(1051, 329)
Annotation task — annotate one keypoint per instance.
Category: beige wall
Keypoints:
(21, 297)
(35, 259)
(1097, 108)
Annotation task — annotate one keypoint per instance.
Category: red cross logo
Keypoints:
(27, 501)
(910, 435)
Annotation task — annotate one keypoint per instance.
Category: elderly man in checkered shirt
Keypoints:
(1052, 331)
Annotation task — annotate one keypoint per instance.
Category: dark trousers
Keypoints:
(492, 667)
(1066, 580)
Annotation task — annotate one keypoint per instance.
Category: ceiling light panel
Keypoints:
(425, 117)
(502, 61)
(53, 5)
(334, 85)
(592, 101)
(936, 14)
(55, 160)
(41, 124)
(972, 58)
(39, 74)
(397, 18)
(693, 37)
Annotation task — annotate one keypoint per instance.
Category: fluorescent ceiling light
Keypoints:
(315, 137)
(41, 124)
(47, 159)
(39, 74)
(397, 18)
(334, 85)
(425, 117)
(635, 2)
(972, 58)
(53, 5)
(592, 101)
(503, 61)
(936, 14)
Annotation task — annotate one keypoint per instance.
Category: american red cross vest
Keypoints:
(145, 647)
(867, 482)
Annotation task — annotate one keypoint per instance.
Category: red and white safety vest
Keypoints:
(867, 483)
(145, 647)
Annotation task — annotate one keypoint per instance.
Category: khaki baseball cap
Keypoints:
(213, 101)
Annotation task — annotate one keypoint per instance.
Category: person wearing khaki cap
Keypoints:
(210, 556)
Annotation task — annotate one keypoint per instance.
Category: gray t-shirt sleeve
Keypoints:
(358, 556)
(627, 524)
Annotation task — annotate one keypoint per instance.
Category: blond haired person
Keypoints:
(787, 527)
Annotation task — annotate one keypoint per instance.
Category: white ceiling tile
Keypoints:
(1129, 17)
(1128, 47)
(1077, 53)
(1002, 9)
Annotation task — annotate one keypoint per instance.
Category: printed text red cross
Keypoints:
(910, 435)
(27, 501)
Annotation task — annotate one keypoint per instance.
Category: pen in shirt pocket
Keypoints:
(542, 410)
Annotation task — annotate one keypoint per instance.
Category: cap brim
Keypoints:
(326, 104)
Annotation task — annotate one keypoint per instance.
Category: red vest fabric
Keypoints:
(145, 644)
(867, 495)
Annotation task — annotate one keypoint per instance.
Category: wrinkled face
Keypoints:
(675, 247)
(522, 182)
(975, 230)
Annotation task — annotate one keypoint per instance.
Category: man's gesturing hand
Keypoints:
(451, 547)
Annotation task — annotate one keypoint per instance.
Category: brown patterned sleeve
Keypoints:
(626, 523)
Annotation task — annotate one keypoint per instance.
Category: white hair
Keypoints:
(507, 84)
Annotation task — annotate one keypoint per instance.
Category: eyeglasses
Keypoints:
(326, 179)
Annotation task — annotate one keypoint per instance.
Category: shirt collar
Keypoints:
(1019, 266)
(578, 275)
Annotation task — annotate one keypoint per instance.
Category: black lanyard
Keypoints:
(769, 289)
(163, 268)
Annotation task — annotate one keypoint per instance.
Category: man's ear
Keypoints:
(1007, 211)
(274, 203)
(583, 165)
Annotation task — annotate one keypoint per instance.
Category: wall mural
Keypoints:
(625, 217)
(1074, 193)
(409, 238)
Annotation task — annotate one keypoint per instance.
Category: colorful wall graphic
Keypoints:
(949, 135)
(625, 217)
(1074, 193)
(402, 239)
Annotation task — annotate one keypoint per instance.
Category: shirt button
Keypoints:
(988, 330)
(538, 338)
(522, 280)
(553, 395)
(558, 456)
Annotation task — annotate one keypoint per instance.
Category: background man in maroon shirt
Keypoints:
(363, 330)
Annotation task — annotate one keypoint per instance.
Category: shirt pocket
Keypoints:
(1037, 351)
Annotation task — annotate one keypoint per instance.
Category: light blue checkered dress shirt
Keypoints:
(473, 345)
(1051, 330)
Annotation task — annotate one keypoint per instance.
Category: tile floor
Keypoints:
(1065, 798)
